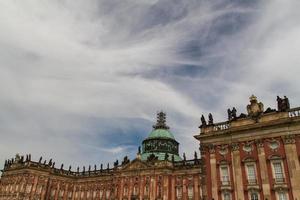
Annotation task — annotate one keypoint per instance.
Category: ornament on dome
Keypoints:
(161, 121)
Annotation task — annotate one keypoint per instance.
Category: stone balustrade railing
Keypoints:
(294, 112)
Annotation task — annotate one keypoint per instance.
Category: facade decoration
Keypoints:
(158, 172)
(263, 157)
(253, 156)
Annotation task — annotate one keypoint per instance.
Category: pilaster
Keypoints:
(263, 169)
(213, 170)
(293, 164)
(237, 172)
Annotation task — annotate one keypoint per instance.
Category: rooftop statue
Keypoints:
(283, 104)
(203, 121)
(210, 119)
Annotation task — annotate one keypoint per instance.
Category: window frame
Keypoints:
(225, 181)
(254, 178)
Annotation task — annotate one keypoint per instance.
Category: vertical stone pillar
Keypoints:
(141, 187)
(184, 188)
(196, 187)
(263, 169)
(213, 170)
(130, 187)
(121, 188)
(152, 187)
(173, 191)
(165, 187)
(293, 164)
(237, 172)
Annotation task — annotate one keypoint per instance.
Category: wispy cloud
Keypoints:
(81, 81)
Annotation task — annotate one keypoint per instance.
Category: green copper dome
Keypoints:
(161, 133)
(160, 143)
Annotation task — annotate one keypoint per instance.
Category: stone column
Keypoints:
(293, 164)
(213, 169)
(173, 192)
(141, 188)
(165, 187)
(196, 187)
(184, 188)
(237, 172)
(152, 187)
(263, 169)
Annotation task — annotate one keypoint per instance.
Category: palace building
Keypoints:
(252, 156)
(157, 172)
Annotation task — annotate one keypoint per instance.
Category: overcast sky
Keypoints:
(81, 80)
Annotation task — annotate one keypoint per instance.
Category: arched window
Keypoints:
(282, 196)
(107, 194)
(226, 196)
(179, 192)
(125, 191)
(190, 192)
(254, 196)
(135, 190)
(53, 193)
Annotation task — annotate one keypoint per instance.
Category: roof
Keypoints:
(161, 133)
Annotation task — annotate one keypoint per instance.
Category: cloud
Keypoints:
(81, 81)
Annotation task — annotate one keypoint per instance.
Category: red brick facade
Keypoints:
(252, 157)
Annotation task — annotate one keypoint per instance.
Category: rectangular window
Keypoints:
(254, 196)
(226, 196)
(282, 196)
(224, 175)
(278, 173)
(179, 192)
(251, 174)
(190, 192)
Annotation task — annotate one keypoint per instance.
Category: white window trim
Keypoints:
(273, 169)
(247, 172)
(286, 194)
(221, 173)
(250, 192)
(226, 192)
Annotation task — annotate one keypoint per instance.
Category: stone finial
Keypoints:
(195, 155)
(184, 157)
(116, 163)
(40, 160)
(161, 121)
(139, 150)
